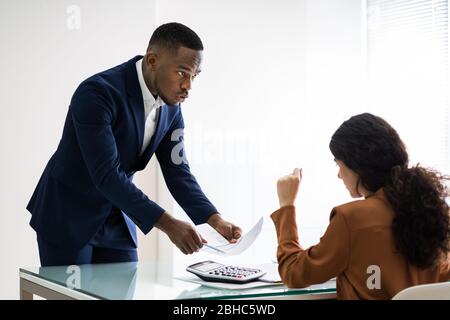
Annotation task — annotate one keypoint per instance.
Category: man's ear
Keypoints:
(151, 59)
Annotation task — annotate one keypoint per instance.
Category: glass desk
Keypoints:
(143, 281)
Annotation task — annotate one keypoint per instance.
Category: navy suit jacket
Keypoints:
(91, 172)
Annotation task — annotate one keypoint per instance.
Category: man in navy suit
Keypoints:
(85, 208)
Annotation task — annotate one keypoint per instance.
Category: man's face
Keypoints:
(172, 73)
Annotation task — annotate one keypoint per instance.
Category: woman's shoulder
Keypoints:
(373, 205)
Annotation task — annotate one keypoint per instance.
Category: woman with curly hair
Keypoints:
(396, 237)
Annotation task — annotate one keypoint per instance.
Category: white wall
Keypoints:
(257, 70)
(42, 62)
(278, 78)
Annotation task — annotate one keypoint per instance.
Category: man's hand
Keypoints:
(225, 228)
(287, 187)
(181, 233)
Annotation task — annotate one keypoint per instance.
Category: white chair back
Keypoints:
(433, 291)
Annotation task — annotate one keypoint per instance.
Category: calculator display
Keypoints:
(208, 266)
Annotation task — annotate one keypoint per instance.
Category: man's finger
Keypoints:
(230, 232)
(237, 232)
(182, 249)
(203, 239)
(191, 246)
(196, 245)
(197, 239)
(226, 231)
(185, 249)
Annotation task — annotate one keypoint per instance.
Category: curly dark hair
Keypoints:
(369, 146)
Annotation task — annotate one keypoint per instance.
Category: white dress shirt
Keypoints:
(151, 108)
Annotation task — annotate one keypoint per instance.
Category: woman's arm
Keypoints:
(298, 267)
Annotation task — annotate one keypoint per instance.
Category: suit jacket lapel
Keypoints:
(136, 101)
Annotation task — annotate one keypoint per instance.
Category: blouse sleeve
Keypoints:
(300, 268)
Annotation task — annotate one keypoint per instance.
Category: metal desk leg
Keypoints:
(28, 289)
(24, 294)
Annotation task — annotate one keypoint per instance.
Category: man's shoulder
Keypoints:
(113, 78)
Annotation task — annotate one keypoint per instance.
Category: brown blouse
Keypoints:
(357, 248)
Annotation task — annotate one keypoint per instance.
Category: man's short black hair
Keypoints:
(174, 35)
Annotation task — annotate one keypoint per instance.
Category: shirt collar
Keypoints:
(146, 94)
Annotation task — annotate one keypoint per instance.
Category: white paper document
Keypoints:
(224, 285)
(217, 244)
(271, 270)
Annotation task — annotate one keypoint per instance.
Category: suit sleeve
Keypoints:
(300, 268)
(181, 183)
(93, 113)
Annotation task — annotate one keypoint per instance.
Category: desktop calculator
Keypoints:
(214, 271)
